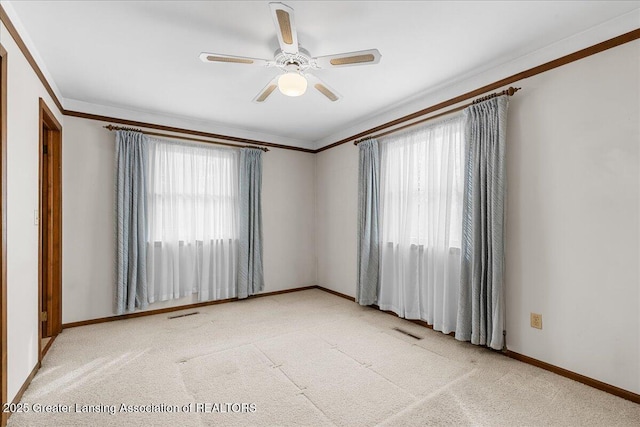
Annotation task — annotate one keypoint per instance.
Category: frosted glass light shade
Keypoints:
(292, 84)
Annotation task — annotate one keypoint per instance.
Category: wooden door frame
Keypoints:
(54, 232)
(3, 230)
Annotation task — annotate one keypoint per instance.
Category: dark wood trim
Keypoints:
(183, 138)
(145, 313)
(40, 237)
(617, 391)
(50, 224)
(25, 51)
(509, 92)
(48, 346)
(415, 321)
(25, 386)
(374, 306)
(26, 383)
(336, 293)
(284, 291)
(137, 124)
(51, 120)
(592, 50)
(3, 231)
(177, 308)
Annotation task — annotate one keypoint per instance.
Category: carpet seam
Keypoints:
(429, 396)
(296, 385)
(467, 412)
(368, 367)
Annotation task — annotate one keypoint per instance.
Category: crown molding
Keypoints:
(156, 120)
(467, 86)
(16, 29)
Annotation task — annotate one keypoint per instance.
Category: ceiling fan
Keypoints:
(295, 62)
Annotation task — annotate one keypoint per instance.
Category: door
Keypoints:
(50, 223)
(3, 230)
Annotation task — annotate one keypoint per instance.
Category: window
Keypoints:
(193, 205)
(421, 183)
(421, 191)
(193, 192)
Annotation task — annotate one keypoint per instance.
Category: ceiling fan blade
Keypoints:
(268, 90)
(285, 27)
(323, 88)
(361, 57)
(230, 59)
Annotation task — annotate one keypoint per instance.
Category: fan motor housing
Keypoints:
(302, 60)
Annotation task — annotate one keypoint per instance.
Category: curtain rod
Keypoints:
(510, 92)
(186, 138)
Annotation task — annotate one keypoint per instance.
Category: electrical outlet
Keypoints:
(536, 320)
(36, 217)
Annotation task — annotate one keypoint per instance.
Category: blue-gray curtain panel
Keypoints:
(368, 222)
(131, 214)
(481, 308)
(250, 271)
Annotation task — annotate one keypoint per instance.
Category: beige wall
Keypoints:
(289, 217)
(288, 204)
(337, 220)
(23, 94)
(573, 215)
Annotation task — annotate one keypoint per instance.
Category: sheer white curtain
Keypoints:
(421, 183)
(193, 221)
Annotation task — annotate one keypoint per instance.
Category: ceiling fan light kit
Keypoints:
(292, 83)
(294, 61)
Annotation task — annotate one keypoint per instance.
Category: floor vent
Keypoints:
(184, 315)
(407, 333)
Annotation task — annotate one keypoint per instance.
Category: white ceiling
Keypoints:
(143, 56)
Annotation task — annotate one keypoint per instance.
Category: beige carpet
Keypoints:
(301, 359)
